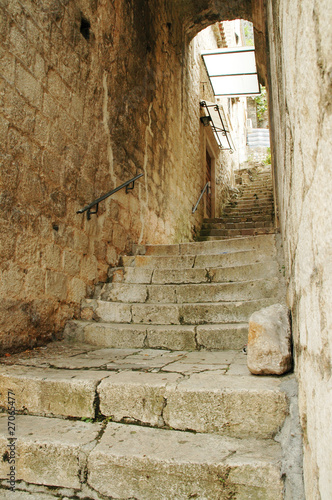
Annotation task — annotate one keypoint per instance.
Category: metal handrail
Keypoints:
(207, 186)
(98, 200)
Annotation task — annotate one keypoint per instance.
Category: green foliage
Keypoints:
(261, 104)
(267, 160)
(248, 33)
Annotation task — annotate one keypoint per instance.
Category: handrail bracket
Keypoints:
(95, 203)
(89, 212)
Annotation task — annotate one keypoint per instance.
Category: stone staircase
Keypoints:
(249, 212)
(148, 396)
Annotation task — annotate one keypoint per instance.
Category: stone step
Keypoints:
(235, 212)
(203, 292)
(172, 314)
(174, 337)
(260, 270)
(232, 232)
(226, 224)
(221, 220)
(223, 238)
(224, 259)
(127, 461)
(236, 225)
(254, 196)
(247, 206)
(197, 248)
(208, 392)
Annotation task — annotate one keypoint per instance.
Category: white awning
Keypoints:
(219, 124)
(232, 72)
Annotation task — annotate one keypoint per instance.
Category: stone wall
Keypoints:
(300, 43)
(91, 94)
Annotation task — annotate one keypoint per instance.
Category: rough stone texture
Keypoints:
(148, 463)
(53, 393)
(78, 117)
(269, 341)
(300, 43)
(52, 452)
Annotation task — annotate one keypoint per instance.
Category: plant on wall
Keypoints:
(261, 104)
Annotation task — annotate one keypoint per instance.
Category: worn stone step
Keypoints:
(197, 248)
(226, 224)
(235, 212)
(226, 229)
(174, 337)
(203, 292)
(260, 270)
(223, 259)
(252, 198)
(234, 233)
(208, 392)
(248, 206)
(127, 461)
(223, 238)
(172, 314)
(49, 451)
(153, 463)
(267, 269)
(221, 220)
(231, 232)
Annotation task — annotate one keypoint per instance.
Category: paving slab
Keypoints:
(116, 335)
(135, 396)
(50, 392)
(222, 337)
(143, 463)
(214, 402)
(50, 451)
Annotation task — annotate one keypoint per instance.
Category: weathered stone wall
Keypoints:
(79, 116)
(300, 44)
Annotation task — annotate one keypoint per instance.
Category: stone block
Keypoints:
(161, 314)
(56, 284)
(51, 257)
(35, 282)
(89, 267)
(114, 312)
(136, 275)
(228, 336)
(136, 396)
(41, 134)
(269, 341)
(178, 276)
(222, 312)
(214, 402)
(118, 292)
(7, 241)
(7, 65)
(176, 338)
(140, 462)
(58, 89)
(71, 263)
(76, 290)
(52, 452)
(51, 392)
(28, 86)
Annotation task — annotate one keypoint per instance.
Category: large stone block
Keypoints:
(51, 392)
(269, 341)
(50, 451)
(144, 463)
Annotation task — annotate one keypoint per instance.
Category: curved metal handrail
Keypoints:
(98, 200)
(207, 186)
